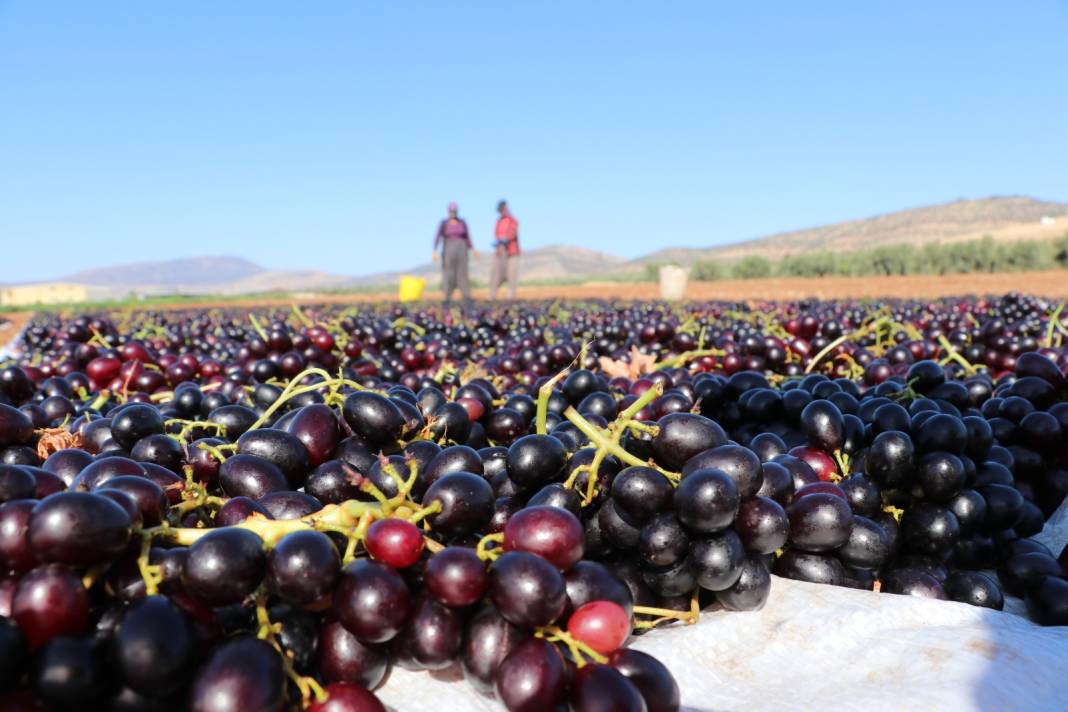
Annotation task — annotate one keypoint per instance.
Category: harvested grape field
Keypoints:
(537, 486)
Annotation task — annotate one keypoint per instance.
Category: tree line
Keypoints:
(983, 255)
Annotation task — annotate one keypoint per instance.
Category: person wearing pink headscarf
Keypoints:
(455, 243)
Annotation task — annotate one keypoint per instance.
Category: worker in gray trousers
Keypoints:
(505, 252)
(455, 242)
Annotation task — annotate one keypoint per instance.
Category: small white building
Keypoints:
(24, 295)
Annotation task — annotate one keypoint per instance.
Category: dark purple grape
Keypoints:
(814, 568)
(456, 458)
(676, 581)
(941, 432)
(488, 641)
(526, 589)
(317, 427)
(974, 588)
(16, 554)
(911, 582)
(250, 476)
(153, 647)
(504, 425)
(434, 633)
(739, 463)
(283, 449)
(243, 673)
(100, 471)
(552, 533)
(940, 475)
(237, 510)
(929, 529)
(1048, 601)
(1020, 573)
(819, 522)
(235, 419)
(466, 504)
(456, 576)
(662, 542)
(767, 446)
(303, 567)
(652, 679)
(777, 483)
(16, 483)
(680, 436)
(448, 423)
(556, 495)
(342, 657)
(224, 566)
(1003, 505)
(602, 688)
(706, 500)
(617, 531)
(640, 493)
(13, 654)
(889, 459)
(78, 528)
(132, 422)
(331, 484)
(762, 525)
(535, 460)
(50, 601)
(149, 497)
(863, 494)
(822, 424)
(531, 678)
(371, 601)
(717, 560)
(69, 673)
(159, 449)
(67, 463)
(289, 505)
(868, 546)
(750, 592)
(375, 418)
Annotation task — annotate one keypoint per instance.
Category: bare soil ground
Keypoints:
(1052, 284)
(12, 325)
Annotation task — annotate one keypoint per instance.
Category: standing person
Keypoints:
(455, 242)
(505, 252)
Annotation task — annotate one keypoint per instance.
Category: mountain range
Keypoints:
(1003, 218)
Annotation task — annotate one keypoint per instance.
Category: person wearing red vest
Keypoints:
(505, 252)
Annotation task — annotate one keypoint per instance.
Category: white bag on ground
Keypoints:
(673, 281)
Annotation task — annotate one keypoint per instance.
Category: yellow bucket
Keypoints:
(411, 288)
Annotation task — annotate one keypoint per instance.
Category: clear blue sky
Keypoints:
(331, 135)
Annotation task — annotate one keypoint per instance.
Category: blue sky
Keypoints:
(331, 135)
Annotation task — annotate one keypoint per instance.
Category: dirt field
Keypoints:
(1053, 284)
(12, 326)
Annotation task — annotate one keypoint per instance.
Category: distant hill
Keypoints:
(541, 263)
(203, 275)
(1003, 218)
(188, 271)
